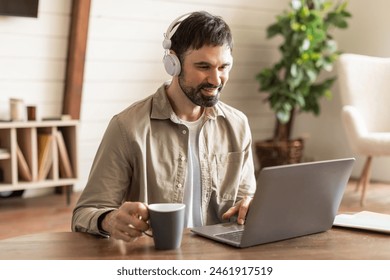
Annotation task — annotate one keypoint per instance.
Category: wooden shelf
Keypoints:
(27, 162)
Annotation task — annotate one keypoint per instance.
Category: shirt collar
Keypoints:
(162, 109)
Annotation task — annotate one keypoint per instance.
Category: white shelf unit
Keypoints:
(25, 135)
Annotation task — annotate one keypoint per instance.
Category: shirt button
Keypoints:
(184, 131)
(183, 158)
(179, 185)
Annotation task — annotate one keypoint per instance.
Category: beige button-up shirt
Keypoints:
(143, 157)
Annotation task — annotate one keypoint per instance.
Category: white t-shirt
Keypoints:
(192, 185)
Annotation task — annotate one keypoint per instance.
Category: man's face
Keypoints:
(204, 73)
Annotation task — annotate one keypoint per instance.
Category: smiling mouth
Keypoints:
(211, 90)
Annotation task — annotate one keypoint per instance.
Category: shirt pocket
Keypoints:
(226, 174)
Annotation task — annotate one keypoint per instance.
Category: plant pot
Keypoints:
(270, 152)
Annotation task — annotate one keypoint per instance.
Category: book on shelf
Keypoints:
(45, 155)
(63, 158)
(23, 168)
(4, 153)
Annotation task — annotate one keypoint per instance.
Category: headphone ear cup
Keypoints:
(172, 64)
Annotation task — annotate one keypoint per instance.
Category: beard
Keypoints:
(195, 93)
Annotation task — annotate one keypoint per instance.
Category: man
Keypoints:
(179, 145)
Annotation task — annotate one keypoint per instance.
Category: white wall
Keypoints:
(367, 34)
(33, 57)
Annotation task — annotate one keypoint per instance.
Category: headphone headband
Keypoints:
(171, 31)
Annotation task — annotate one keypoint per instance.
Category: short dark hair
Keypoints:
(200, 29)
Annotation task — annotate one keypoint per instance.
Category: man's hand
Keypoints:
(241, 208)
(128, 222)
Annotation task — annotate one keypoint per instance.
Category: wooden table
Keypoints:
(337, 244)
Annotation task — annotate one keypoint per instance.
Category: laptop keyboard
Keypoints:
(232, 235)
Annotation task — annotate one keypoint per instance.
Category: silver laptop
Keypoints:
(290, 201)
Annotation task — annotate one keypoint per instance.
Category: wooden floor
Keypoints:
(51, 214)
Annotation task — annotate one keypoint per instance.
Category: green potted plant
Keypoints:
(292, 84)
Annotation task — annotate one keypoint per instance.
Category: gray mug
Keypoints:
(167, 223)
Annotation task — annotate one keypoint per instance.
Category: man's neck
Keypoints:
(181, 105)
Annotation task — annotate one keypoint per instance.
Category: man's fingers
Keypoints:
(137, 222)
(125, 236)
(243, 210)
(129, 221)
(231, 212)
(137, 208)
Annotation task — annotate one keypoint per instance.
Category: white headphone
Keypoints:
(171, 61)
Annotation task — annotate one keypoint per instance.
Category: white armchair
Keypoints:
(365, 93)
